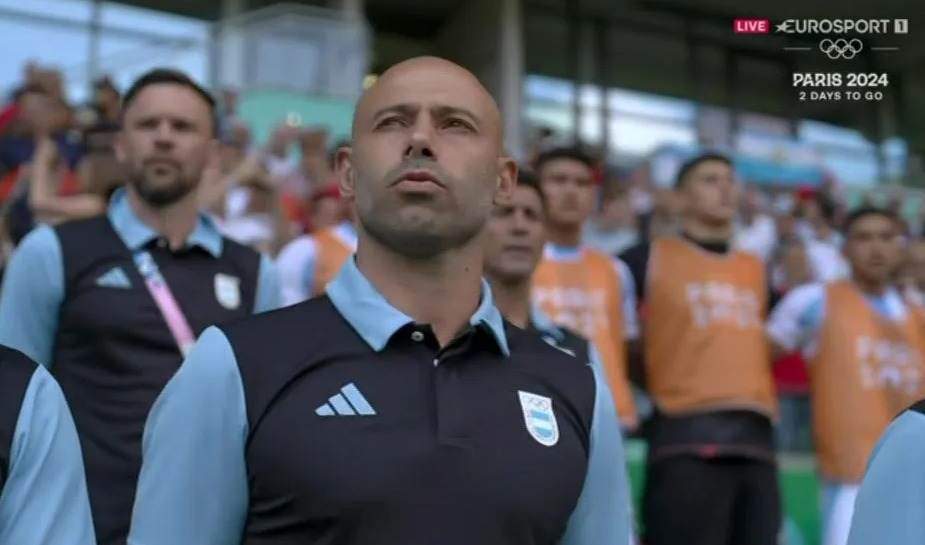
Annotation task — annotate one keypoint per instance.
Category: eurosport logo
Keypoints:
(841, 48)
(842, 26)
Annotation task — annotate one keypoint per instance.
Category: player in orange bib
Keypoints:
(864, 347)
(308, 262)
(576, 286)
(711, 477)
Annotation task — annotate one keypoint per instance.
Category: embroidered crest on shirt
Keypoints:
(228, 291)
(539, 418)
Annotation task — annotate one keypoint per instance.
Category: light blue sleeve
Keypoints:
(33, 289)
(890, 507)
(268, 296)
(44, 501)
(193, 483)
(595, 358)
(603, 514)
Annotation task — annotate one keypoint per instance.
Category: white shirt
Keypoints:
(759, 238)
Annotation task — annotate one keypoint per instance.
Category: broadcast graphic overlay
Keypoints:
(839, 52)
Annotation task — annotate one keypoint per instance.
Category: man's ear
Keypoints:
(343, 168)
(507, 179)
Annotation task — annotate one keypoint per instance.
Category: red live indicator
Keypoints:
(751, 26)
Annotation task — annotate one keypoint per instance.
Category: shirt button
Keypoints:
(417, 336)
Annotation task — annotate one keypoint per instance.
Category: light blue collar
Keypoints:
(376, 320)
(136, 234)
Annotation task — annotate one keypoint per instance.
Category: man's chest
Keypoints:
(112, 296)
(348, 437)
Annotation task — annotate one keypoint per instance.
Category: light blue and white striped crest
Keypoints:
(539, 418)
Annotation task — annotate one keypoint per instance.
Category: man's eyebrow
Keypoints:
(403, 109)
(439, 111)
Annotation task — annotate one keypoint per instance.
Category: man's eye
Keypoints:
(458, 124)
(391, 122)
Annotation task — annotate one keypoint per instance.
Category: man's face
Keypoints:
(569, 188)
(516, 235)
(425, 166)
(710, 192)
(166, 141)
(915, 262)
(873, 248)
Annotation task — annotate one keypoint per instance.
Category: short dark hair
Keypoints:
(862, 212)
(528, 179)
(685, 171)
(555, 154)
(170, 76)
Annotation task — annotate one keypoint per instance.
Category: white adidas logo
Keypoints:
(349, 402)
(114, 278)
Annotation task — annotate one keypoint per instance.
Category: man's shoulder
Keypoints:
(82, 226)
(532, 349)
(312, 329)
(239, 252)
(918, 407)
(14, 363)
(637, 252)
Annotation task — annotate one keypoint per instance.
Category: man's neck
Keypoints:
(874, 288)
(513, 300)
(705, 232)
(443, 292)
(567, 237)
(174, 222)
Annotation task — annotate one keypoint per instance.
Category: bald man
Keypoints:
(398, 408)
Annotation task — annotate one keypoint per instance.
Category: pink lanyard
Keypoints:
(163, 297)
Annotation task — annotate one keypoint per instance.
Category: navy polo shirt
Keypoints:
(74, 300)
(43, 493)
(34, 280)
(341, 421)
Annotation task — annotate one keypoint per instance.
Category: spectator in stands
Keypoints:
(309, 262)
(755, 232)
(912, 274)
(102, 118)
(823, 241)
(278, 160)
(791, 270)
(615, 227)
(314, 167)
(253, 212)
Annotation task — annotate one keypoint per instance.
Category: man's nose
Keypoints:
(164, 136)
(420, 141)
(520, 224)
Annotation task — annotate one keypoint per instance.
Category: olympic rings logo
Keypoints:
(841, 48)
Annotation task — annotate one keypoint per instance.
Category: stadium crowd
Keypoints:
(58, 164)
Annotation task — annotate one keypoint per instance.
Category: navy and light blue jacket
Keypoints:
(43, 492)
(342, 420)
(890, 507)
(74, 300)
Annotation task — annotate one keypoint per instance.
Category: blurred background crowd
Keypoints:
(282, 115)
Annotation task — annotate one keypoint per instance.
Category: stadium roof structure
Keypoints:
(690, 50)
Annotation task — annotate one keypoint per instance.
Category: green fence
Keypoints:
(799, 486)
